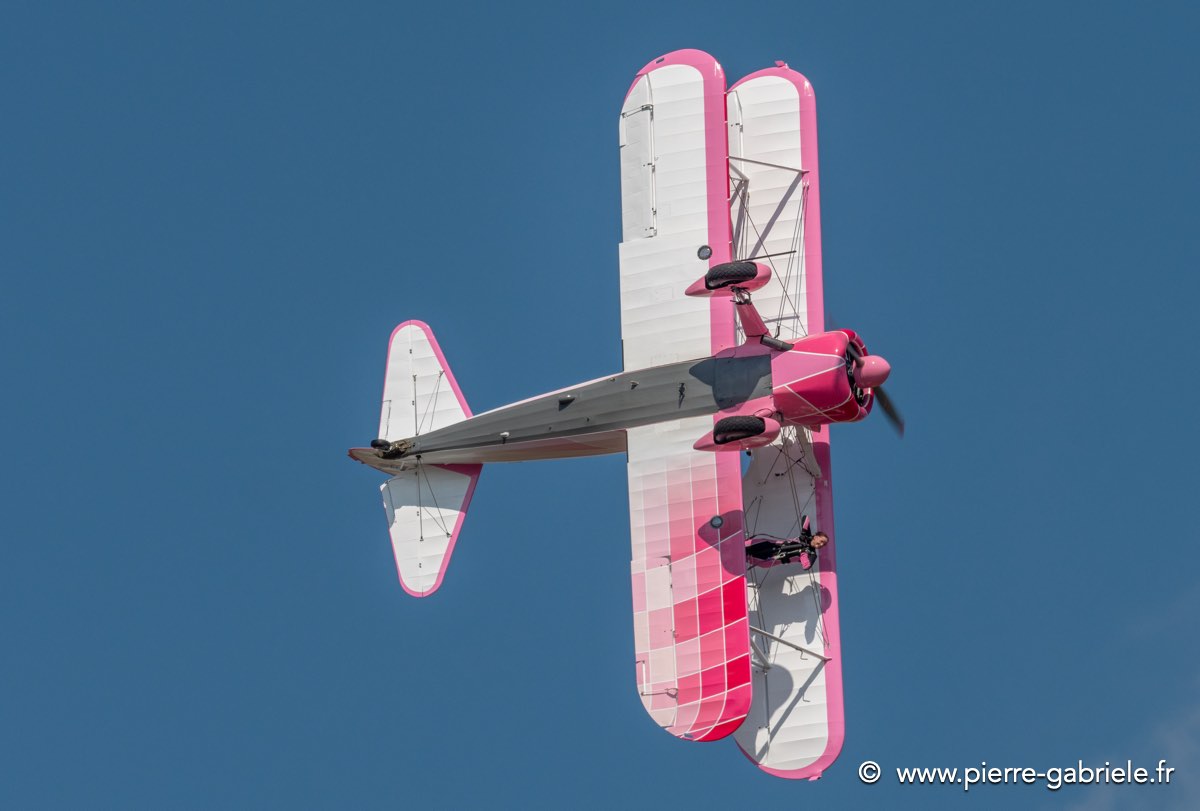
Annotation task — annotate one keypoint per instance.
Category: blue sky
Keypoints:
(212, 218)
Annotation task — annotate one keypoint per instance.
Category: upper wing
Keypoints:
(674, 192)
(795, 727)
(690, 629)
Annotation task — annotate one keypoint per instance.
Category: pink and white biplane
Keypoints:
(725, 352)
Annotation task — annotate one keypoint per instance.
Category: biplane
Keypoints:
(730, 384)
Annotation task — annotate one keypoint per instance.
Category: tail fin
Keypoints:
(425, 504)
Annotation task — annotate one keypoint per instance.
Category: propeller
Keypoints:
(889, 409)
(871, 372)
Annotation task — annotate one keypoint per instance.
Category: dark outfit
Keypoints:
(800, 549)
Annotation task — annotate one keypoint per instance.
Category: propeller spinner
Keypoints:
(870, 372)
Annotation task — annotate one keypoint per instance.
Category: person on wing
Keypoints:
(802, 550)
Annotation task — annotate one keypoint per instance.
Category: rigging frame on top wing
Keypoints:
(767, 208)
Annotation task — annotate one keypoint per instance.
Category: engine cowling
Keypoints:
(814, 382)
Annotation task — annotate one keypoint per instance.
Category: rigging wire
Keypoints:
(437, 514)
(796, 243)
(814, 584)
(431, 402)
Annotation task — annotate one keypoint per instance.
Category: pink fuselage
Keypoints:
(811, 383)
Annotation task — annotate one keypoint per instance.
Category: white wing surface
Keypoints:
(690, 632)
(775, 205)
(795, 726)
(674, 192)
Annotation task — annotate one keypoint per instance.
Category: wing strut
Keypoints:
(752, 323)
(783, 641)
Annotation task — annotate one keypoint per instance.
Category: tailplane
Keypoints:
(425, 504)
(419, 392)
(425, 509)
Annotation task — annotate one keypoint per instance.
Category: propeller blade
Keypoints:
(889, 410)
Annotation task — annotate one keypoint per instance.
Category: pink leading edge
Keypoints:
(722, 692)
(466, 470)
(820, 437)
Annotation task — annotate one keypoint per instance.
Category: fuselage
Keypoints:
(810, 384)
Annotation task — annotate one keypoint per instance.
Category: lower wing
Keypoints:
(795, 726)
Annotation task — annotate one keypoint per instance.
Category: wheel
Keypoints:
(380, 444)
(729, 274)
(734, 429)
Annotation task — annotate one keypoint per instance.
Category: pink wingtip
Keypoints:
(437, 350)
(704, 62)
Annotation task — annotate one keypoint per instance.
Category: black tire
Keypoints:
(728, 274)
(735, 429)
(380, 444)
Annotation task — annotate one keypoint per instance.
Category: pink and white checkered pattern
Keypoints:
(691, 633)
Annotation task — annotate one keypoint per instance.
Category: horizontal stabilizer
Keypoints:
(425, 503)
(419, 392)
(425, 509)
